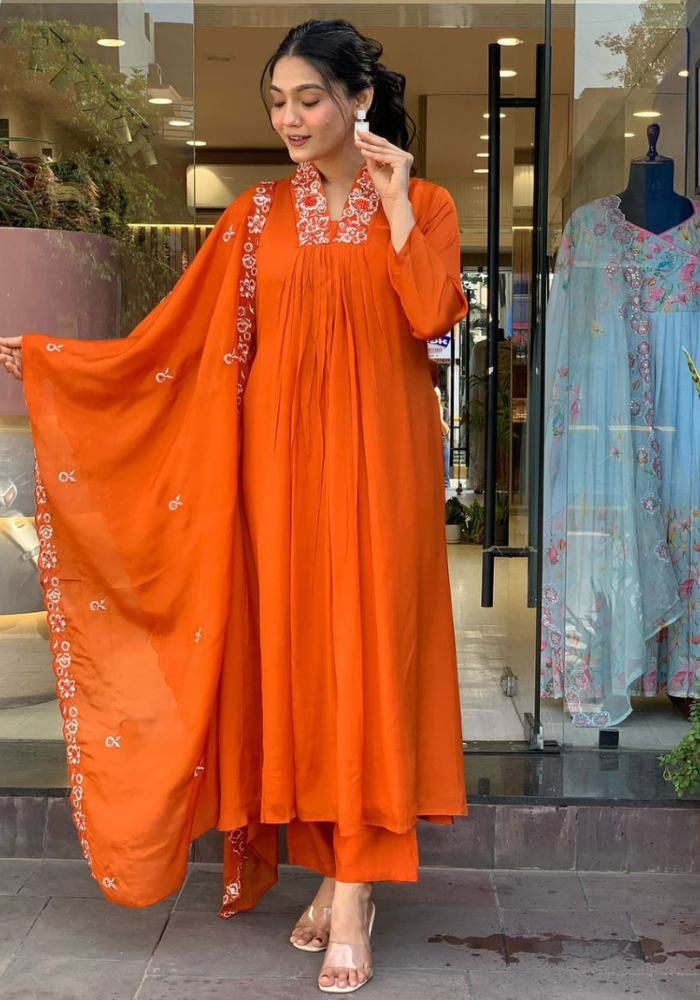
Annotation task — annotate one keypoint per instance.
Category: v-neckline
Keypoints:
(666, 234)
(314, 224)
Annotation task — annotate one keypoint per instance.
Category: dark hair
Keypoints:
(341, 55)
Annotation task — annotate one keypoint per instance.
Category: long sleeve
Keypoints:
(425, 274)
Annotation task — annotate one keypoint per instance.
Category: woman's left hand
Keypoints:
(389, 167)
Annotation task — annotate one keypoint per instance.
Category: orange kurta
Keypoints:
(343, 499)
(252, 626)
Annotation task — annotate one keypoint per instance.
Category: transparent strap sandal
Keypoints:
(353, 957)
(317, 921)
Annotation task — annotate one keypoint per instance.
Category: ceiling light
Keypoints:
(196, 142)
(486, 115)
(481, 170)
(482, 155)
(506, 73)
(647, 114)
(684, 72)
(111, 43)
(483, 136)
(179, 123)
(508, 42)
(630, 135)
(160, 100)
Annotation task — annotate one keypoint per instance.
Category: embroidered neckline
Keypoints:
(314, 225)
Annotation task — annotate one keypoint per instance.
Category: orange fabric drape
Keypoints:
(249, 607)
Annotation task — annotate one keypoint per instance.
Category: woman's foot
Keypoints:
(348, 962)
(312, 930)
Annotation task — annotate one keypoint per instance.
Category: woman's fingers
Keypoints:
(11, 342)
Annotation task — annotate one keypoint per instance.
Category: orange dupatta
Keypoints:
(137, 445)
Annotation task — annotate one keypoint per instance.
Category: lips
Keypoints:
(298, 140)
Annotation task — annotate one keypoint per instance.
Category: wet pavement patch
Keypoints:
(553, 948)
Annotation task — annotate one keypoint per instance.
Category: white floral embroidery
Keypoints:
(198, 635)
(232, 890)
(313, 219)
(61, 649)
(164, 376)
(199, 769)
(177, 502)
(228, 235)
(56, 348)
(113, 742)
(67, 477)
(109, 883)
(99, 605)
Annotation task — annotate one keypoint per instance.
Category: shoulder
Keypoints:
(258, 194)
(430, 199)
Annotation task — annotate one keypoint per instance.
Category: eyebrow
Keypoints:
(304, 86)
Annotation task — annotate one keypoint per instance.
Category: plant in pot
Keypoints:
(456, 515)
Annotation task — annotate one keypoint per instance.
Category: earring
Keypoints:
(361, 123)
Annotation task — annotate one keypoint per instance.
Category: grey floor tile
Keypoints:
(248, 945)
(70, 979)
(440, 887)
(641, 892)
(550, 983)
(14, 873)
(79, 927)
(540, 890)
(55, 877)
(385, 986)
(671, 944)
(17, 916)
(678, 987)
(437, 938)
(584, 941)
(203, 890)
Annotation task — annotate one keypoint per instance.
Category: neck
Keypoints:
(342, 170)
(650, 181)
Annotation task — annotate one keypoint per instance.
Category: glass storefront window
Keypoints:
(621, 619)
(96, 133)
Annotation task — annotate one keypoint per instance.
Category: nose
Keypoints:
(290, 117)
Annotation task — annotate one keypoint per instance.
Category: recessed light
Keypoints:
(507, 72)
(647, 114)
(630, 135)
(160, 100)
(508, 42)
(196, 142)
(179, 123)
(483, 136)
(684, 72)
(111, 43)
(482, 155)
(481, 170)
(486, 115)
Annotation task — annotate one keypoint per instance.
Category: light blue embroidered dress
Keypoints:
(621, 599)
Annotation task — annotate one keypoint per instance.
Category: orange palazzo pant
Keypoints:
(372, 855)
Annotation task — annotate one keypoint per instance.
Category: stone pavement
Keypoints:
(458, 935)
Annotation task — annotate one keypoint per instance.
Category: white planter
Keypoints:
(453, 534)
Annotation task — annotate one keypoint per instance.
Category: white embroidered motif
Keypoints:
(237, 839)
(198, 635)
(99, 605)
(164, 376)
(113, 742)
(313, 219)
(199, 769)
(109, 883)
(55, 347)
(61, 649)
(228, 235)
(174, 504)
(67, 477)
(245, 323)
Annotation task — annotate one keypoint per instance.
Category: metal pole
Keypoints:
(494, 223)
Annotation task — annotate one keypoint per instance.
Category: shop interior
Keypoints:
(139, 121)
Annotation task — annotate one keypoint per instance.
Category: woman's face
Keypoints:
(314, 124)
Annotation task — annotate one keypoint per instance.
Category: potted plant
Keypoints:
(682, 763)
(455, 520)
(474, 527)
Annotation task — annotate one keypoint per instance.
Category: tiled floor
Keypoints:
(457, 935)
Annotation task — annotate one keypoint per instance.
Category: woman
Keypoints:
(282, 642)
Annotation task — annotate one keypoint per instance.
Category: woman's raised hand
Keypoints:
(11, 355)
(389, 167)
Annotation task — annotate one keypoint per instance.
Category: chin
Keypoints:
(299, 155)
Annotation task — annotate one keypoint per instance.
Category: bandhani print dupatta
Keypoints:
(137, 445)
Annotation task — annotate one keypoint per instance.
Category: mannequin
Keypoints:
(649, 200)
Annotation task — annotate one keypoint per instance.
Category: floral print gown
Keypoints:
(621, 599)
